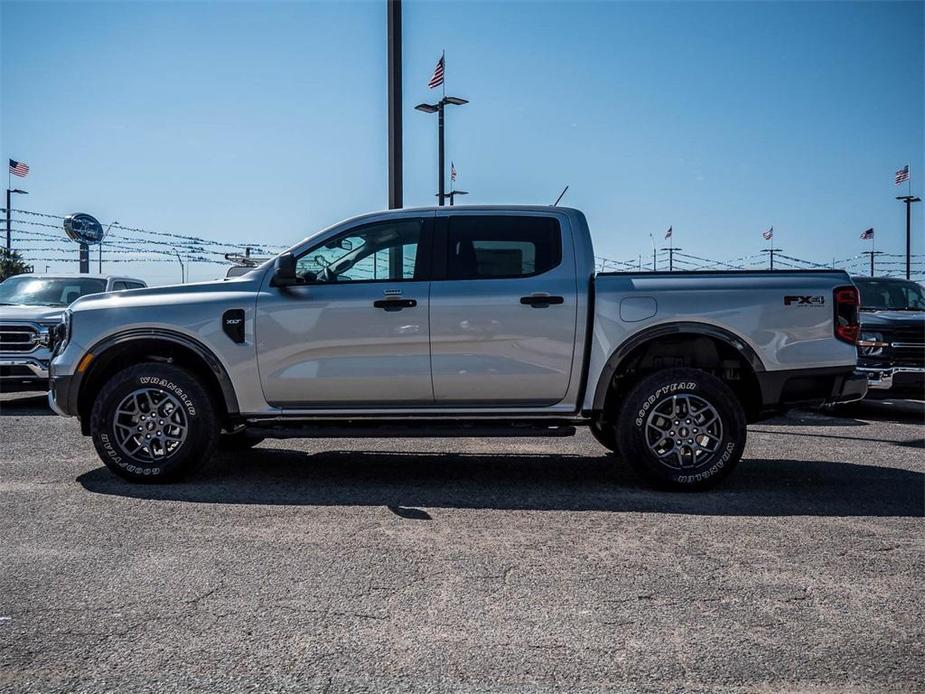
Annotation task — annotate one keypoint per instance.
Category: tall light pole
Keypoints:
(908, 199)
(439, 108)
(10, 191)
(393, 28)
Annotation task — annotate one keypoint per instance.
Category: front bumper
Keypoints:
(882, 378)
(23, 373)
(62, 395)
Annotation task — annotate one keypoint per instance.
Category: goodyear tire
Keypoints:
(153, 422)
(682, 429)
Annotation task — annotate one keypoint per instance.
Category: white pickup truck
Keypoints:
(461, 321)
(30, 306)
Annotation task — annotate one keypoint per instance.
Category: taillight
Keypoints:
(847, 317)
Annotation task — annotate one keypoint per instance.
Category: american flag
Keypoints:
(437, 79)
(452, 171)
(668, 233)
(867, 235)
(18, 168)
(902, 174)
(768, 235)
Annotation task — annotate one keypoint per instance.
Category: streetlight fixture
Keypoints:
(439, 108)
(771, 251)
(10, 191)
(671, 250)
(453, 193)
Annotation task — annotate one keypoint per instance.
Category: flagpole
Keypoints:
(442, 145)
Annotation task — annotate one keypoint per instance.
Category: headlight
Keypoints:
(61, 333)
(872, 344)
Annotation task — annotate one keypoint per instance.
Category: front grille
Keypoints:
(17, 338)
(911, 335)
(907, 345)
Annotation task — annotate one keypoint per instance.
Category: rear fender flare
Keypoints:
(658, 331)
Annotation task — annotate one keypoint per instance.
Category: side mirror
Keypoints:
(284, 271)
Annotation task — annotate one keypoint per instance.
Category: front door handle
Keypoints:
(541, 300)
(395, 304)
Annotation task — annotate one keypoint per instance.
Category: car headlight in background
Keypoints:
(46, 337)
(871, 344)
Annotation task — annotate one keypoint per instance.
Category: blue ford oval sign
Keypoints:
(83, 228)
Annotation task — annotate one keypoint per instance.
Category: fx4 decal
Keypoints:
(804, 301)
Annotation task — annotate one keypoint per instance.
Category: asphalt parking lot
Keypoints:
(528, 565)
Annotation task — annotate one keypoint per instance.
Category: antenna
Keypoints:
(556, 203)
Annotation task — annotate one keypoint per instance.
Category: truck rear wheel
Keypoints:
(682, 429)
(153, 422)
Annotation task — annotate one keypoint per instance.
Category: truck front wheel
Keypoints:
(153, 422)
(682, 429)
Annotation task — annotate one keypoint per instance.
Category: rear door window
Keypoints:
(497, 247)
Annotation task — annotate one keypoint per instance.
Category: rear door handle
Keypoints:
(541, 300)
(395, 304)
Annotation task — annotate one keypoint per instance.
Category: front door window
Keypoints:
(382, 252)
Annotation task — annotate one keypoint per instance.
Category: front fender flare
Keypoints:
(216, 367)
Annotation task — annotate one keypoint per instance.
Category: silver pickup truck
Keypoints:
(462, 321)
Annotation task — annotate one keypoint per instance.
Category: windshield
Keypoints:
(889, 294)
(47, 291)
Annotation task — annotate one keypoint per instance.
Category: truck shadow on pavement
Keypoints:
(528, 482)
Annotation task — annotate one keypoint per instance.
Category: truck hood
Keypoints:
(173, 294)
(44, 314)
(887, 319)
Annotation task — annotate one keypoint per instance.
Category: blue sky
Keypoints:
(265, 121)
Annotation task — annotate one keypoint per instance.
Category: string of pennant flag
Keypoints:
(136, 244)
(36, 235)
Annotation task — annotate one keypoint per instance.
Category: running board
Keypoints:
(340, 429)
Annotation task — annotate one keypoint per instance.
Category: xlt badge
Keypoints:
(233, 324)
